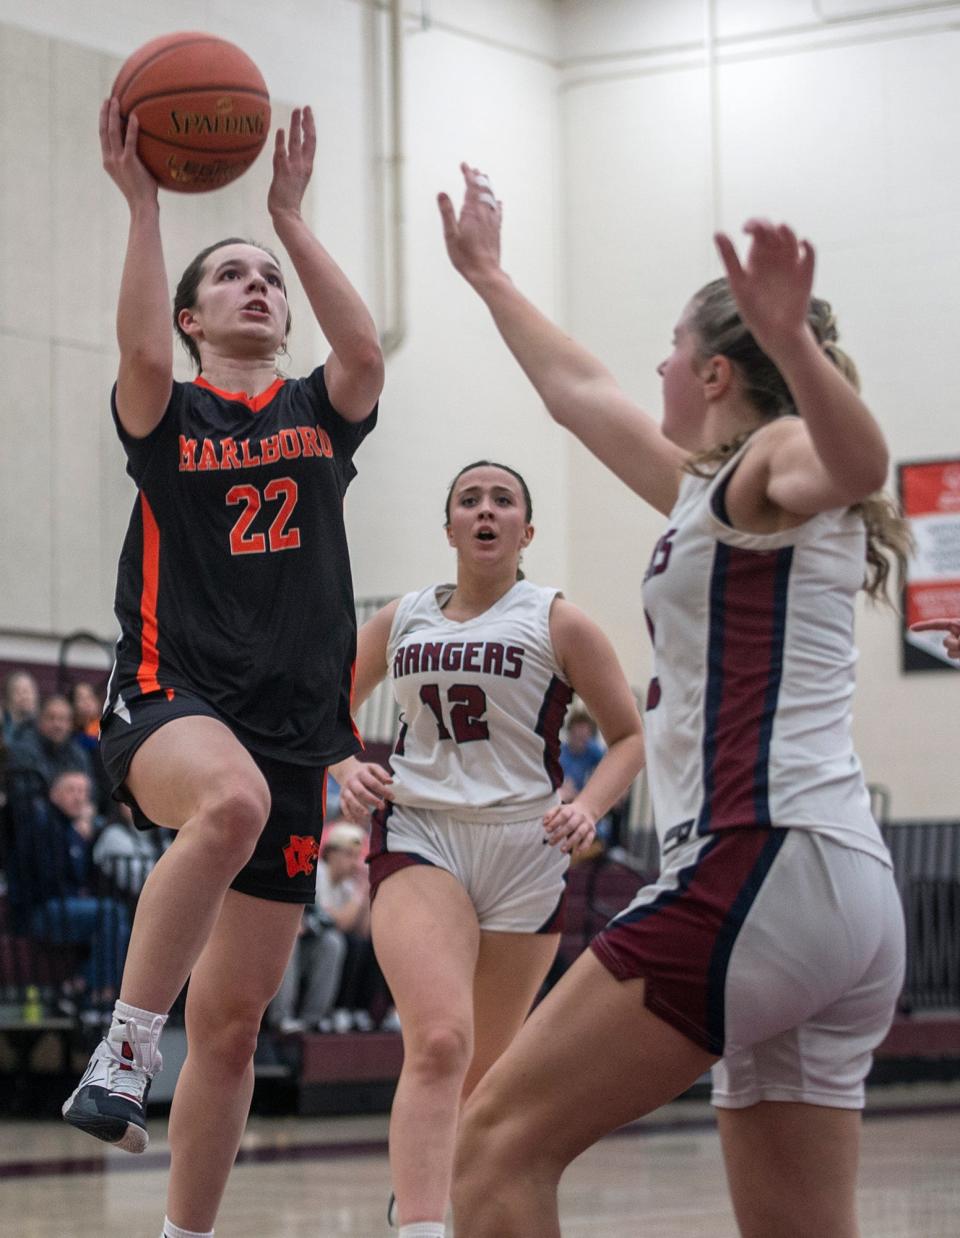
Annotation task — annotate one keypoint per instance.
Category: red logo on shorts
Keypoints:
(301, 854)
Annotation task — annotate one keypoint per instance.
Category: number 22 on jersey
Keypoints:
(278, 536)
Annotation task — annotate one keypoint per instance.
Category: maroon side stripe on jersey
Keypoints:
(748, 603)
(149, 654)
(555, 701)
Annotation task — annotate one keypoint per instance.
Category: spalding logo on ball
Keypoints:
(203, 109)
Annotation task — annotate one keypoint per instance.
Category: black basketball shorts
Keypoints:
(283, 867)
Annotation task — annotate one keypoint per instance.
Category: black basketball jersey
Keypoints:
(234, 578)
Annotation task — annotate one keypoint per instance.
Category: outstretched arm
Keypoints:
(144, 328)
(354, 369)
(579, 392)
(838, 456)
(590, 664)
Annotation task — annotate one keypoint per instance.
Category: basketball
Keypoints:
(203, 109)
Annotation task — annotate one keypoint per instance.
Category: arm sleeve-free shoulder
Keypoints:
(346, 435)
(140, 450)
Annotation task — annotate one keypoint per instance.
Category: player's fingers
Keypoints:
(584, 843)
(761, 231)
(368, 795)
(296, 133)
(309, 135)
(381, 774)
(786, 236)
(351, 808)
(728, 256)
(130, 137)
(448, 217)
(808, 259)
(937, 625)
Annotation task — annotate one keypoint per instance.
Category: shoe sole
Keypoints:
(125, 1135)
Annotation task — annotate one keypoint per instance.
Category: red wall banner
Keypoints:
(930, 496)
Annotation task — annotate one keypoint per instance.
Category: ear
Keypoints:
(188, 322)
(527, 538)
(448, 529)
(717, 376)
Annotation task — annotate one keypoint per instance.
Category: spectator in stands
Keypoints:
(87, 706)
(53, 883)
(333, 959)
(125, 855)
(48, 748)
(315, 968)
(951, 642)
(20, 698)
(580, 754)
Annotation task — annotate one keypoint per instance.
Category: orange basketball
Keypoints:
(203, 108)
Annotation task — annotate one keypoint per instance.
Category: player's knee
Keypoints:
(227, 1035)
(480, 1158)
(439, 1051)
(232, 817)
(493, 1140)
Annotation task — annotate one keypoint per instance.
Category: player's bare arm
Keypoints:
(354, 369)
(579, 392)
(593, 671)
(145, 374)
(836, 454)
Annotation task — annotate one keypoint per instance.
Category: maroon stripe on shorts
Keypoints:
(681, 941)
(384, 863)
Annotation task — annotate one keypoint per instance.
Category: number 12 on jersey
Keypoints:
(467, 703)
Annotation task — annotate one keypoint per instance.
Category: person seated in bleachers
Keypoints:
(333, 960)
(125, 855)
(48, 747)
(580, 754)
(343, 891)
(20, 700)
(87, 705)
(305, 998)
(53, 885)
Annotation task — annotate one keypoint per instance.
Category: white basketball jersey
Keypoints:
(481, 706)
(748, 713)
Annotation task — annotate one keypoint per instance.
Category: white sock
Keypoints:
(423, 1229)
(174, 1231)
(144, 1037)
(122, 1013)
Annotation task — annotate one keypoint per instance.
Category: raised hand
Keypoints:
(473, 239)
(292, 162)
(772, 288)
(570, 828)
(120, 159)
(951, 642)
